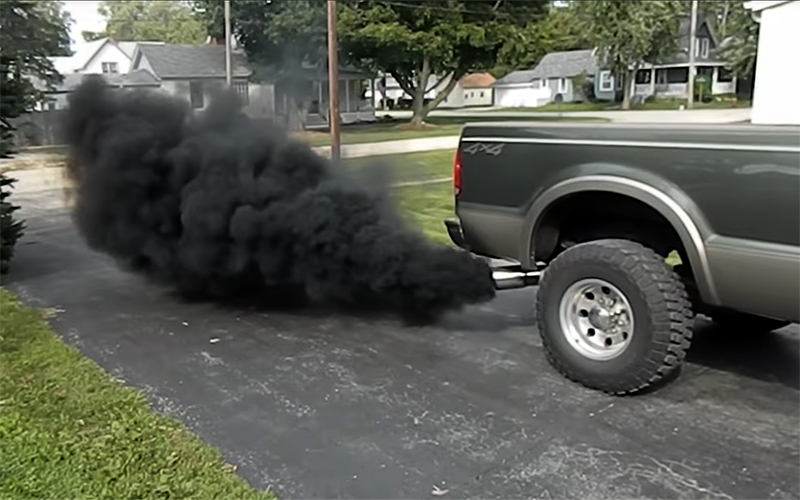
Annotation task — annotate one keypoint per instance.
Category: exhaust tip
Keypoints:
(509, 280)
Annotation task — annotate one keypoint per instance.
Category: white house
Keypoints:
(774, 100)
(105, 55)
(472, 90)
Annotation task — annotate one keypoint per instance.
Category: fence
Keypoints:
(40, 128)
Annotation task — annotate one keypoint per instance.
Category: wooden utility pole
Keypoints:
(333, 82)
(228, 72)
(692, 49)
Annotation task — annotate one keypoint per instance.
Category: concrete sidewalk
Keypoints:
(735, 115)
(393, 147)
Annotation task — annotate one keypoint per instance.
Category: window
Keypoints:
(110, 67)
(481, 93)
(562, 85)
(544, 83)
(196, 94)
(702, 47)
(606, 81)
(643, 76)
(724, 75)
(677, 75)
(242, 90)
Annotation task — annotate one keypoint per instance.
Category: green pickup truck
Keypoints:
(631, 230)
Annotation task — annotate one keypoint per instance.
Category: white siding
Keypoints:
(775, 101)
(521, 96)
(478, 97)
(110, 53)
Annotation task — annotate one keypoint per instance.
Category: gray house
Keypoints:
(195, 71)
(671, 77)
(559, 76)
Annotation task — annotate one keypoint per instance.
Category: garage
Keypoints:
(775, 99)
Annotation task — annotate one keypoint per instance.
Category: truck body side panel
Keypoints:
(739, 185)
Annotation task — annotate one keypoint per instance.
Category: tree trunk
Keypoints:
(418, 113)
(627, 87)
(418, 108)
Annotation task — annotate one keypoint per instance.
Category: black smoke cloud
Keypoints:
(217, 205)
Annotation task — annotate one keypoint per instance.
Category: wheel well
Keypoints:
(596, 215)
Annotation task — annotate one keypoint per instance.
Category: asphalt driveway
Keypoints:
(318, 405)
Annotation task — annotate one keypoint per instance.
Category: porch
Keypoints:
(673, 81)
(355, 105)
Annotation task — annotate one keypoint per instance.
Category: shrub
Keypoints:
(11, 229)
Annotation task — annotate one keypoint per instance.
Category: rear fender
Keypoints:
(663, 196)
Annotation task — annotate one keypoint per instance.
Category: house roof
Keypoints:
(565, 64)
(87, 51)
(477, 81)
(516, 78)
(136, 78)
(190, 61)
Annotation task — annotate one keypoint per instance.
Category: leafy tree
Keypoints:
(558, 31)
(286, 41)
(11, 229)
(413, 40)
(738, 33)
(630, 33)
(30, 32)
(150, 20)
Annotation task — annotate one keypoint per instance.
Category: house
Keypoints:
(671, 77)
(194, 72)
(105, 55)
(557, 78)
(474, 89)
(391, 96)
(774, 101)
(56, 98)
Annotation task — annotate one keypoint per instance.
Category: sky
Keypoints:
(85, 17)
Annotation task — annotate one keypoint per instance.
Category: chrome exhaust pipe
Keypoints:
(505, 279)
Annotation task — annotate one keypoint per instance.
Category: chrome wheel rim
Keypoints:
(596, 319)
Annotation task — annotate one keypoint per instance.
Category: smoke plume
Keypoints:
(217, 205)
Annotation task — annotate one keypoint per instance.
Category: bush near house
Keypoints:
(11, 229)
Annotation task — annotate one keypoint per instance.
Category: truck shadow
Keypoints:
(767, 356)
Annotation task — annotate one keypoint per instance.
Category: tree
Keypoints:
(30, 32)
(738, 35)
(558, 31)
(414, 40)
(11, 229)
(285, 41)
(150, 20)
(630, 33)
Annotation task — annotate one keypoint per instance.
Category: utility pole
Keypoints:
(692, 48)
(333, 82)
(228, 72)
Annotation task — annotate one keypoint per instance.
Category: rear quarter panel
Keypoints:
(739, 185)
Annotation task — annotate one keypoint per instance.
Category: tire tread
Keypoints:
(660, 287)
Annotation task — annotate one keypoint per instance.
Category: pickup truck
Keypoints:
(631, 230)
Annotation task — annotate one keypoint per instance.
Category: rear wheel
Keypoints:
(613, 316)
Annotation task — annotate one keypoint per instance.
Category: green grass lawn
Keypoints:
(441, 126)
(427, 204)
(67, 430)
(407, 168)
